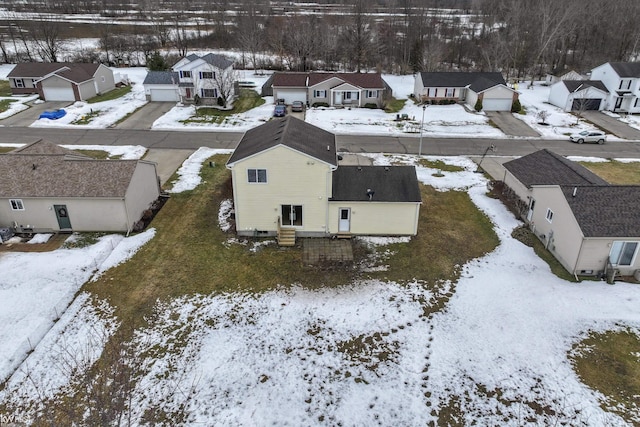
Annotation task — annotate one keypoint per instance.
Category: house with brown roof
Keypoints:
(47, 188)
(287, 183)
(330, 89)
(590, 226)
(61, 81)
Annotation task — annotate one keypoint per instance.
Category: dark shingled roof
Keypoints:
(574, 85)
(76, 72)
(626, 69)
(42, 169)
(362, 80)
(389, 184)
(480, 80)
(161, 78)
(605, 210)
(545, 167)
(213, 59)
(289, 132)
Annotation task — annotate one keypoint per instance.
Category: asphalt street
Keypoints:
(348, 143)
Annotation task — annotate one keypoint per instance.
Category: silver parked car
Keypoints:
(589, 136)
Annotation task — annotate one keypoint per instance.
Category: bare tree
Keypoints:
(224, 81)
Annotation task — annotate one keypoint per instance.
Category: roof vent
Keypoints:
(359, 168)
(328, 148)
(33, 166)
(386, 168)
(370, 193)
(575, 191)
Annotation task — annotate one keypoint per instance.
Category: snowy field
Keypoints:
(439, 121)
(282, 357)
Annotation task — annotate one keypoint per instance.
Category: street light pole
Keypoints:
(424, 107)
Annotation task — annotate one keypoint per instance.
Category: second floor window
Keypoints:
(257, 175)
(207, 74)
(549, 215)
(185, 74)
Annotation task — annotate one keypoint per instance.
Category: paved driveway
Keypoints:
(612, 125)
(30, 115)
(510, 125)
(146, 115)
(167, 160)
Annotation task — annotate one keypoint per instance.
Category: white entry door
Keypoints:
(532, 204)
(345, 220)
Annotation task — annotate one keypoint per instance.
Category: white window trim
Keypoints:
(16, 204)
(622, 244)
(549, 215)
(450, 92)
(215, 92)
(19, 83)
(257, 174)
(319, 93)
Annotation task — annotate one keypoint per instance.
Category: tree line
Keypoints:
(521, 38)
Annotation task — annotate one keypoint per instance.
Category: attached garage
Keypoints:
(496, 104)
(586, 104)
(58, 94)
(290, 95)
(164, 94)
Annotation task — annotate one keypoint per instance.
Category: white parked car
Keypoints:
(589, 136)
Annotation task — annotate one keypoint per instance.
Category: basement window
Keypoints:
(16, 204)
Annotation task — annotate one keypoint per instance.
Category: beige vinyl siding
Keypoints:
(562, 236)
(27, 81)
(143, 190)
(87, 90)
(85, 214)
(109, 81)
(595, 254)
(377, 218)
(292, 179)
(512, 182)
(326, 86)
(498, 92)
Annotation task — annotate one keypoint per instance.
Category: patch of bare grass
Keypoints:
(616, 172)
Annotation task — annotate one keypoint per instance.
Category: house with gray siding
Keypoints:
(589, 225)
(47, 188)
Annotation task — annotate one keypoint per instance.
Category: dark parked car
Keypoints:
(280, 111)
(297, 106)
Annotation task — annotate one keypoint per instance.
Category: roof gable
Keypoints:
(289, 132)
(545, 167)
(360, 80)
(383, 183)
(577, 85)
(614, 215)
(194, 61)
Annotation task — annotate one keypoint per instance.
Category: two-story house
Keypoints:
(205, 80)
(622, 79)
(330, 89)
(286, 177)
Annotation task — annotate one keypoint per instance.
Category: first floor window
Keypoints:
(450, 93)
(209, 93)
(257, 175)
(19, 83)
(549, 215)
(623, 253)
(16, 204)
(372, 94)
(319, 93)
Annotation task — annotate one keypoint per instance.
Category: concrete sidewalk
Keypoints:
(511, 125)
(492, 165)
(612, 125)
(168, 161)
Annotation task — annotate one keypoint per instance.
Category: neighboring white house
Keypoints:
(572, 95)
(468, 87)
(331, 89)
(286, 176)
(622, 80)
(557, 76)
(61, 81)
(193, 79)
(47, 188)
(590, 226)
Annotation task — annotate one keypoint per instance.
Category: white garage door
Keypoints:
(164, 95)
(58, 94)
(290, 95)
(499, 104)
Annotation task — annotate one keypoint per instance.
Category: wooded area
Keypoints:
(521, 38)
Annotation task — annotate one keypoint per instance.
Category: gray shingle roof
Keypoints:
(545, 167)
(626, 69)
(289, 132)
(213, 59)
(297, 79)
(574, 85)
(605, 210)
(161, 78)
(43, 169)
(76, 72)
(389, 184)
(461, 79)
